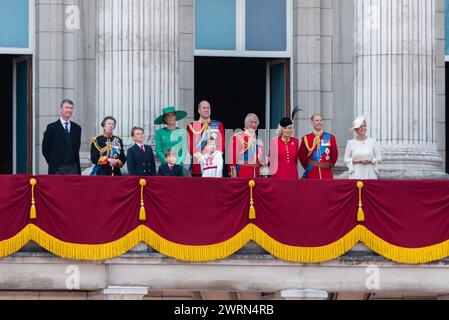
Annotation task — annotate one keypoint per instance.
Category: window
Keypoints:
(243, 28)
(16, 26)
(266, 25)
(215, 22)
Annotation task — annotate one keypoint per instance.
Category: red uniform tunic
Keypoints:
(318, 154)
(198, 134)
(284, 158)
(246, 155)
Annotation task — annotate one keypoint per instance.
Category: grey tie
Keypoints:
(66, 127)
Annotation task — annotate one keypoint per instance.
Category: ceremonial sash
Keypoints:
(316, 156)
(200, 143)
(248, 154)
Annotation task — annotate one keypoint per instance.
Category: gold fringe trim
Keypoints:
(14, 244)
(224, 249)
(84, 251)
(400, 254)
(199, 253)
(306, 254)
(117, 248)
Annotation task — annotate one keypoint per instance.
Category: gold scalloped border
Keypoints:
(224, 249)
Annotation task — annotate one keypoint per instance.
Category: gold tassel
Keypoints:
(33, 214)
(142, 212)
(252, 213)
(252, 210)
(360, 213)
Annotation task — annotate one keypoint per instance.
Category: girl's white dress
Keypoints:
(362, 150)
(212, 165)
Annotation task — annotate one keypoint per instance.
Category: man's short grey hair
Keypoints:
(251, 116)
(316, 115)
(68, 101)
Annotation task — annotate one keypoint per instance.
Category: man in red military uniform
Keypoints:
(246, 151)
(318, 152)
(199, 132)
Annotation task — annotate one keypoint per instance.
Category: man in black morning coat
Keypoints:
(62, 141)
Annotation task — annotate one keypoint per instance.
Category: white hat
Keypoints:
(358, 122)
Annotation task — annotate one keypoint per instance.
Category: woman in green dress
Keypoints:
(171, 137)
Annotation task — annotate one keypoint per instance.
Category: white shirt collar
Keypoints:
(63, 121)
(63, 124)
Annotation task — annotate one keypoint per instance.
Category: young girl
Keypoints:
(212, 161)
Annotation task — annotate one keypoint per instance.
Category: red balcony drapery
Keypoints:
(196, 219)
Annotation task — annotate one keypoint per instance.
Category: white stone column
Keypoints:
(137, 62)
(394, 83)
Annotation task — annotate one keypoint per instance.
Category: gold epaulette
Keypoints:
(97, 146)
(204, 127)
(316, 142)
(246, 145)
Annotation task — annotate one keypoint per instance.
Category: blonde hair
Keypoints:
(279, 131)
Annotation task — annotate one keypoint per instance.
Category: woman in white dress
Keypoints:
(362, 153)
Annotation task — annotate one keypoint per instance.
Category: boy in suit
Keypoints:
(62, 141)
(140, 157)
(170, 169)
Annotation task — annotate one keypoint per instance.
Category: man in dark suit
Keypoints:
(140, 157)
(62, 141)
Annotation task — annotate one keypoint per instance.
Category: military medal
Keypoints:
(327, 154)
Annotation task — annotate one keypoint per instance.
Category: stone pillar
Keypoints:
(137, 62)
(394, 83)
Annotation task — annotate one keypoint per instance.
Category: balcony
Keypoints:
(258, 271)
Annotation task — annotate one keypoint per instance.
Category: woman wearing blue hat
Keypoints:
(171, 137)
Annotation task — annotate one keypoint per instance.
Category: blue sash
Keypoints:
(248, 155)
(201, 144)
(316, 156)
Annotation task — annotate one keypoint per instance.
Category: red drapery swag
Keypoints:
(94, 218)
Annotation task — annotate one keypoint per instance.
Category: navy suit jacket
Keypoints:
(165, 171)
(139, 163)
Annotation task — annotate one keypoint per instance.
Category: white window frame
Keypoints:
(241, 41)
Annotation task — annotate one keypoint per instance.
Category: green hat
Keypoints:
(179, 115)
